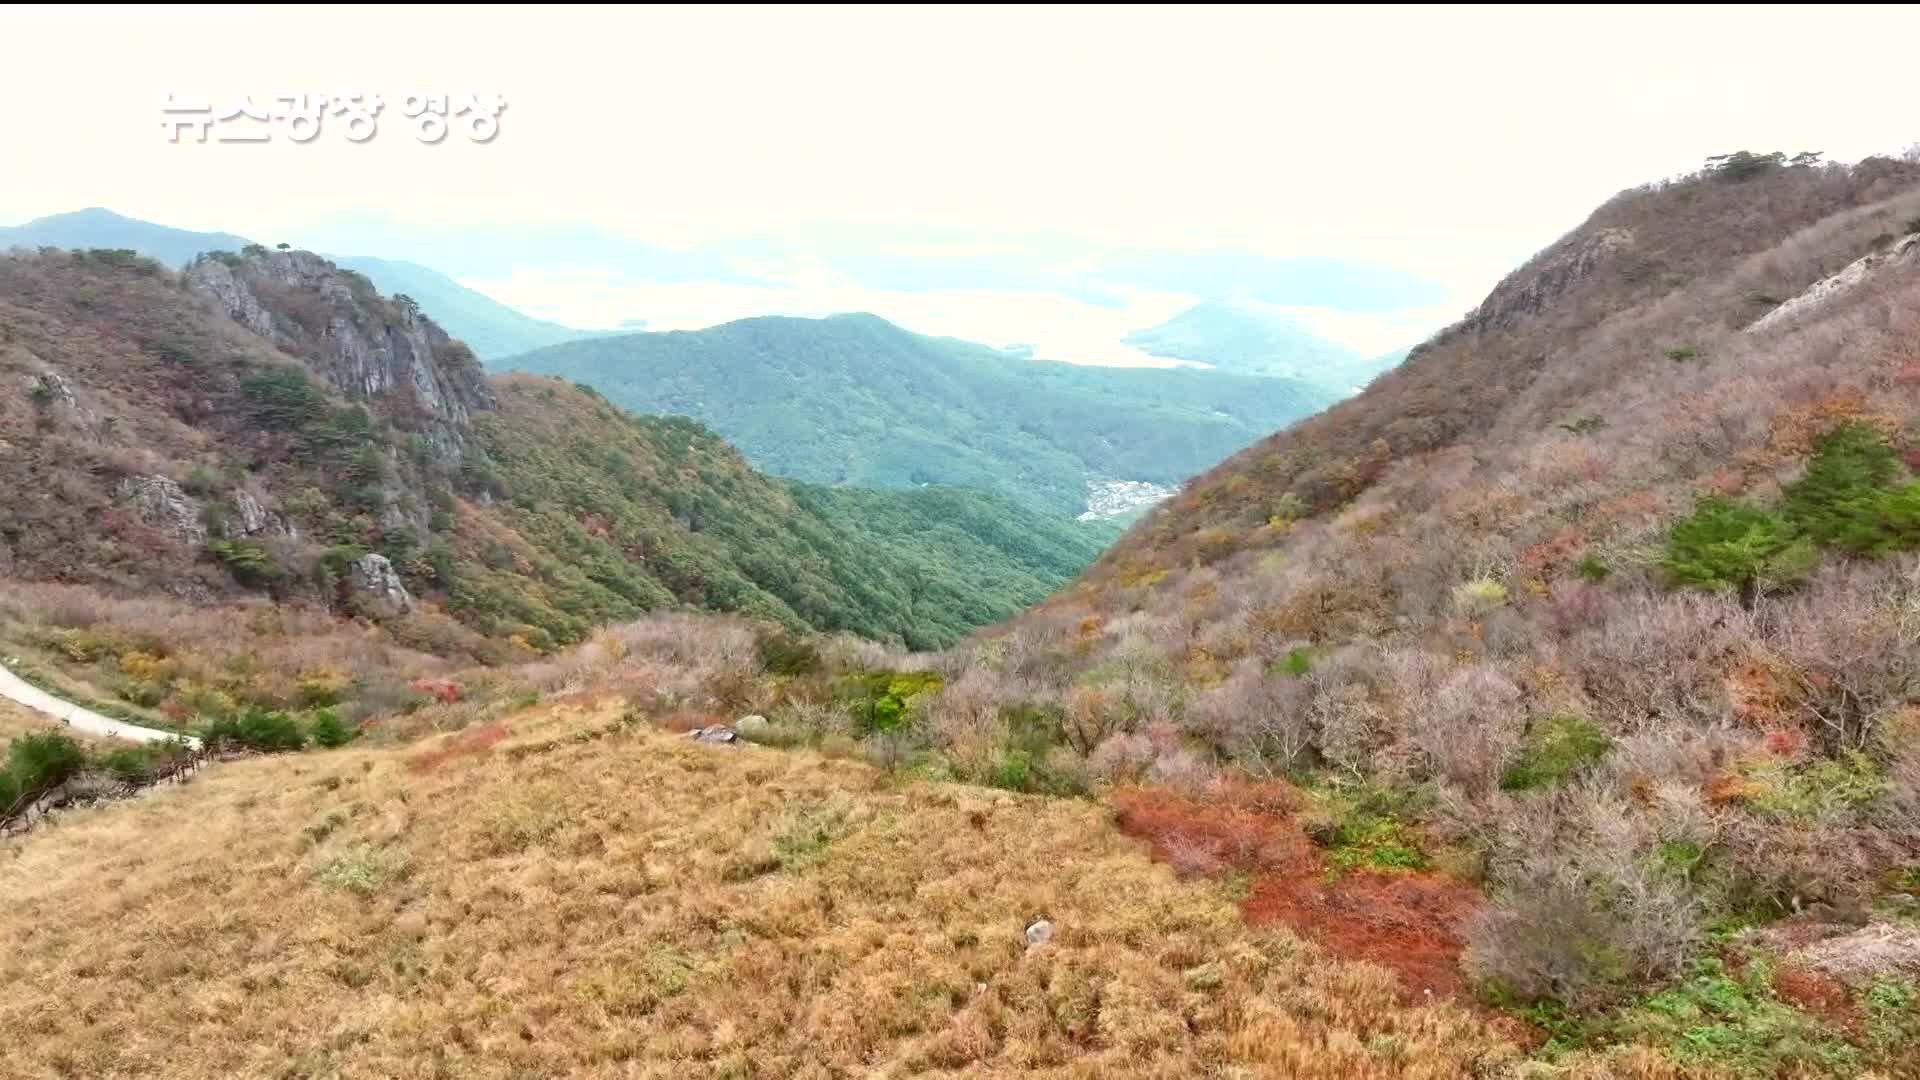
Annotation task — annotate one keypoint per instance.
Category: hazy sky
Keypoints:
(1448, 143)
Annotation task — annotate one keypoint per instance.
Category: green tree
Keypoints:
(1847, 498)
(326, 730)
(1743, 164)
(1727, 545)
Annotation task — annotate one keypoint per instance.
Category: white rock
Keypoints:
(1039, 934)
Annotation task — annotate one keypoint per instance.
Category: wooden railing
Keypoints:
(92, 786)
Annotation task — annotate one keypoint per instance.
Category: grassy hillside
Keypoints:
(491, 329)
(854, 400)
(500, 902)
(1247, 341)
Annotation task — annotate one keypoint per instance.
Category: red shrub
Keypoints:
(444, 691)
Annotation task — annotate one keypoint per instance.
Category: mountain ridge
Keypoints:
(267, 422)
(490, 328)
(854, 399)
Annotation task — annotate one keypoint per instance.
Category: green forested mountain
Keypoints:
(855, 400)
(490, 328)
(265, 423)
(1242, 340)
(619, 514)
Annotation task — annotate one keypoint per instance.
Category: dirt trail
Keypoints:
(12, 686)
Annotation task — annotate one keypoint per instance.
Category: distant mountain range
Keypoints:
(491, 329)
(856, 400)
(101, 228)
(1245, 340)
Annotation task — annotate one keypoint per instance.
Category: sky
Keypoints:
(1447, 145)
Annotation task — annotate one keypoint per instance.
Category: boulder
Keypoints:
(751, 727)
(1039, 933)
(715, 735)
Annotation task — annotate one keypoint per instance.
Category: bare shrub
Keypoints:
(1785, 867)
(1184, 771)
(1856, 660)
(1089, 716)
(1264, 722)
(703, 642)
(1903, 786)
(1662, 659)
(1582, 908)
(1672, 755)
(845, 652)
(1353, 728)
(1122, 758)
(964, 720)
(1472, 725)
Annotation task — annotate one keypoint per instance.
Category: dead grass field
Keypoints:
(576, 898)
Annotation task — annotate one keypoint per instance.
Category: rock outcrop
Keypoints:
(1530, 289)
(1040, 933)
(162, 504)
(1846, 280)
(373, 578)
(366, 347)
(715, 735)
(250, 518)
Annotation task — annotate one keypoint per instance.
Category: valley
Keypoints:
(854, 400)
(812, 697)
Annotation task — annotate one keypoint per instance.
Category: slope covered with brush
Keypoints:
(1606, 602)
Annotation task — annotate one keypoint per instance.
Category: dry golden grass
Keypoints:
(583, 899)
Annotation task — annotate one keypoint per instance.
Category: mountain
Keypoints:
(491, 329)
(855, 400)
(1593, 622)
(267, 423)
(100, 228)
(1242, 340)
(1549, 707)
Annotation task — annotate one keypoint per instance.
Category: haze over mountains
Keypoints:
(1075, 301)
(854, 400)
(1246, 340)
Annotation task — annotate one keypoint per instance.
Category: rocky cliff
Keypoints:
(367, 347)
